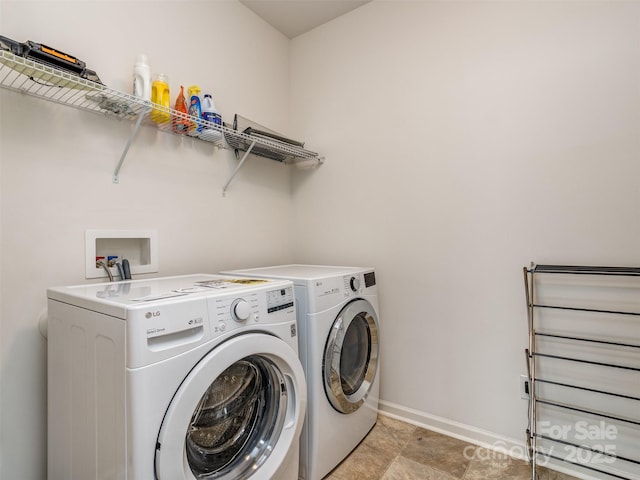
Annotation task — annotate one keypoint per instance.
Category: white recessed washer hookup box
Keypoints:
(139, 247)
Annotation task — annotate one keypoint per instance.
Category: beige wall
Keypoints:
(56, 166)
(464, 140)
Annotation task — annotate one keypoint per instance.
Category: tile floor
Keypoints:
(395, 450)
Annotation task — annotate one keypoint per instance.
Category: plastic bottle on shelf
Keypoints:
(160, 96)
(142, 78)
(195, 110)
(180, 122)
(210, 115)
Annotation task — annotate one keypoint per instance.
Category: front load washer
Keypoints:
(338, 341)
(176, 378)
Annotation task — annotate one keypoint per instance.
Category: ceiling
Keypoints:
(295, 17)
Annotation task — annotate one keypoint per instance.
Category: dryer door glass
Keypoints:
(237, 421)
(351, 356)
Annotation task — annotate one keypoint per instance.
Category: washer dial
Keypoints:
(240, 310)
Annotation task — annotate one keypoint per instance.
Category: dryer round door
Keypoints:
(351, 356)
(236, 414)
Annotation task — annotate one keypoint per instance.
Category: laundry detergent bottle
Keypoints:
(180, 122)
(211, 116)
(195, 111)
(160, 97)
(142, 78)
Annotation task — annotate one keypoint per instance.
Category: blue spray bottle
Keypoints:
(195, 110)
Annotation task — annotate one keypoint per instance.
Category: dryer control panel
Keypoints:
(326, 292)
(358, 282)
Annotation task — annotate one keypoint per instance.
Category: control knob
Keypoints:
(240, 310)
(354, 283)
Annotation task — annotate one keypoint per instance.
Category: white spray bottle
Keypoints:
(210, 115)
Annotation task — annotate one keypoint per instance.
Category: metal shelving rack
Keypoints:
(580, 387)
(45, 82)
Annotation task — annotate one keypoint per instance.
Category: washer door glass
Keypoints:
(237, 414)
(237, 421)
(351, 356)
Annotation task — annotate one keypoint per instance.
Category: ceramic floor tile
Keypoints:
(405, 469)
(389, 434)
(376, 452)
(365, 462)
(545, 474)
(441, 452)
(492, 465)
(395, 450)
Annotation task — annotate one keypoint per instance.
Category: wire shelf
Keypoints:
(42, 81)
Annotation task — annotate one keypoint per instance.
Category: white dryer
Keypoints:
(339, 349)
(177, 378)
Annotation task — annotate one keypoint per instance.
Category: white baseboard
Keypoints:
(469, 434)
(454, 429)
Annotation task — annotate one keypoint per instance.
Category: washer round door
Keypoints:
(351, 356)
(236, 414)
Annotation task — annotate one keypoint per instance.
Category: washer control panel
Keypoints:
(280, 299)
(266, 306)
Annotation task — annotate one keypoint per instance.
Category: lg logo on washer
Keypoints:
(152, 314)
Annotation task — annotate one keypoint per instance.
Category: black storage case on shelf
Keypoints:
(49, 56)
